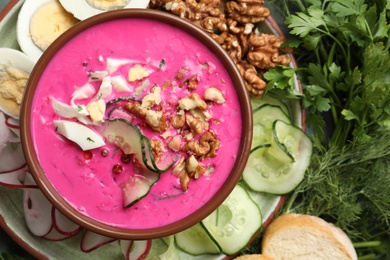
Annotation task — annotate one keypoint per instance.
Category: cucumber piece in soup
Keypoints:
(129, 138)
(137, 186)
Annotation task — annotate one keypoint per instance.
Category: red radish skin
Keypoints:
(12, 123)
(54, 235)
(64, 225)
(91, 241)
(15, 179)
(136, 249)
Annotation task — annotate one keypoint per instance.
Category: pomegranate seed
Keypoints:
(105, 152)
(87, 155)
(117, 168)
(126, 158)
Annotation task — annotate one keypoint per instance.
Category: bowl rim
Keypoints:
(110, 230)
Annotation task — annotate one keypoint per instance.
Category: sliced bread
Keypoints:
(301, 237)
(254, 257)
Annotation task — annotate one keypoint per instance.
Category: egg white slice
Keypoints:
(17, 59)
(23, 28)
(82, 10)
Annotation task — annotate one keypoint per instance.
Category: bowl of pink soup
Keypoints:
(136, 124)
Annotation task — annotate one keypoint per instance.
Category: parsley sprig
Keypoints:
(343, 52)
(345, 64)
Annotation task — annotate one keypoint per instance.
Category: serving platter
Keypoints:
(11, 204)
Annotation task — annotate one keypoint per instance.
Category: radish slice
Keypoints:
(55, 235)
(15, 179)
(92, 241)
(13, 125)
(5, 133)
(64, 225)
(37, 209)
(11, 157)
(135, 249)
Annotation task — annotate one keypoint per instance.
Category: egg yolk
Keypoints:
(48, 22)
(12, 84)
(107, 4)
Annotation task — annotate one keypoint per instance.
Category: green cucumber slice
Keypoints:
(196, 241)
(271, 170)
(235, 222)
(125, 135)
(267, 100)
(149, 160)
(129, 138)
(263, 118)
(137, 187)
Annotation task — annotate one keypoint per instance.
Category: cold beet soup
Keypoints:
(136, 123)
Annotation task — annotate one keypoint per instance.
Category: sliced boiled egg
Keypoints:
(15, 68)
(39, 24)
(83, 9)
(82, 135)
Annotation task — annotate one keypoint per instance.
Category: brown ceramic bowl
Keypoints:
(85, 47)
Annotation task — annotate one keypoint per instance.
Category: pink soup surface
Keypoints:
(89, 184)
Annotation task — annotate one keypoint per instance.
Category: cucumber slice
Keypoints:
(263, 118)
(271, 170)
(196, 241)
(149, 160)
(267, 100)
(125, 135)
(235, 222)
(137, 187)
(130, 139)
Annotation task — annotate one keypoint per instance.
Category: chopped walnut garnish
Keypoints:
(178, 120)
(153, 98)
(191, 102)
(135, 108)
(196, 125)
(181, 172)
(194, 168)
(182, 73)
(157, 148)
(203, 115)
(206, 148)
(156, 120)
(193, 82)
(214, 94)
(175, 143)
(167, 84)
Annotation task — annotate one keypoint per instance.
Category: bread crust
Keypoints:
(280, 233)
(254, 257)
